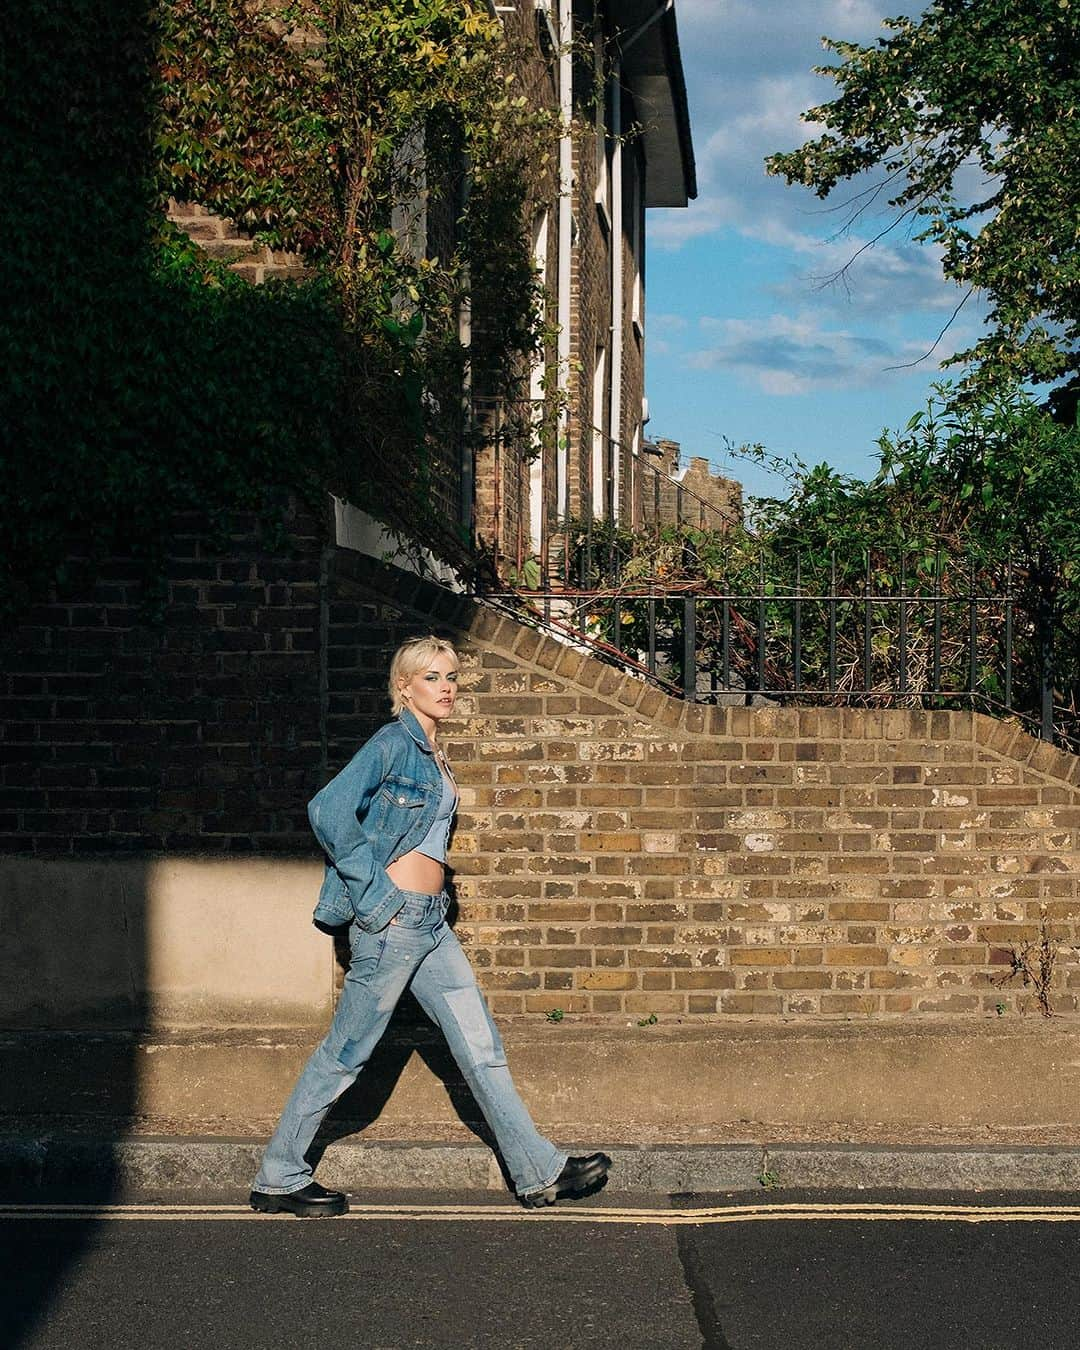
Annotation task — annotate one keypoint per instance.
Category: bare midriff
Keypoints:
(416, 872)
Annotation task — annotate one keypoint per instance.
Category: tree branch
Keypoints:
(907, 365)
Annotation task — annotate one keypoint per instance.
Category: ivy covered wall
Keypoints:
(146, 377)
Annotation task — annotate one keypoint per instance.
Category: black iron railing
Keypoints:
(908, 647)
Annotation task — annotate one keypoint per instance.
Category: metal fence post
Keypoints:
(1008, 634)
(832, 622)
(903, 623)
(761, 622)
(1046, 662)
(868, 630)
(796, 633)
(689, 649)
(973, 633)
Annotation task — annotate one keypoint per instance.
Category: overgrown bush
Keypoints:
(970, 500)
(142, 377)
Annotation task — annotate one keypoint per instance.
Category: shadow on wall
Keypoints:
(136, 384)
(72, 957)
(130, 957)
(129, 983)
(115, 974)
(129, 748)
(117, 373)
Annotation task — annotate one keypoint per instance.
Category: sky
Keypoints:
(748, 339)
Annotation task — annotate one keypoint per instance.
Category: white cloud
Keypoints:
(663, 332)
(786, 354)
(853, 274)
(672, 229)
(749, 77)
(668, 323)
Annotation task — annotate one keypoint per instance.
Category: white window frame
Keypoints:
(537, 374)
(637, 236)
(602, 193)
(599, 436)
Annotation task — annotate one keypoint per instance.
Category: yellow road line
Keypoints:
(800, 1213)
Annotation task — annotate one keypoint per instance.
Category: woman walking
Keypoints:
(383, 823)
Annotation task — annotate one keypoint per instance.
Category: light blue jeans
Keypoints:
(417, 951)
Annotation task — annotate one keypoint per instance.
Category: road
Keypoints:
(779, 1271)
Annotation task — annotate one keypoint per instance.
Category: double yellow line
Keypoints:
(665, 1218)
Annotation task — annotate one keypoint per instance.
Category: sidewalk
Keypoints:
(157, 1168)
(959, 1106)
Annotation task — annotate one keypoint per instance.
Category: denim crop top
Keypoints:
(434, 843)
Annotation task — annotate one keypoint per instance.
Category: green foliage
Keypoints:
(999, 479)
(970, 498)
(142, 377)
(527, 577)
(968, 115)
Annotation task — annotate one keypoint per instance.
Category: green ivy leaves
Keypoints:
(143, 376)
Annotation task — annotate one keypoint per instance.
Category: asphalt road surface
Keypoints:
(780, 1271)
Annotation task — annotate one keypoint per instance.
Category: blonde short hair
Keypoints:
(416, 654)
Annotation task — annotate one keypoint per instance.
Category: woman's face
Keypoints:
(432, 690)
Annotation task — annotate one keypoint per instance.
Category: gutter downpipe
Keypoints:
(566, 189)
(615, 439)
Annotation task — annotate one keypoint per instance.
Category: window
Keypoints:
(600, 126)
(546, 22)
(541, 227)
(409, 213)
(637, 296)
(635, 480)
(600, 456)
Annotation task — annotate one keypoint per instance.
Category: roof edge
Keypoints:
(656, 60)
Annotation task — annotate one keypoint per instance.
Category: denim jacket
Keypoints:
(377, 808)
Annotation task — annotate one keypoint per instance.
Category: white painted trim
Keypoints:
(565, 247)
(362, 533)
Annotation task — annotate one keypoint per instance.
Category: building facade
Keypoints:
(572, 446)
(625, 147)
(671, 492)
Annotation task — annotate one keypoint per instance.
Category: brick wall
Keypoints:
(722, 493)
(621, 852)
(222, 240)
(618, 852)
(200, 734)
(661, 501)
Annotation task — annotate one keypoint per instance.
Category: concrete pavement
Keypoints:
(704, 1107)
(80, 1167)
(1006, 1081)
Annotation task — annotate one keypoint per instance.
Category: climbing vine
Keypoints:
(146, 377)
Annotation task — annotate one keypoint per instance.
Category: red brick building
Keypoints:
(613, 70)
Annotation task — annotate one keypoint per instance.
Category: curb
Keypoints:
(151, 1167)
